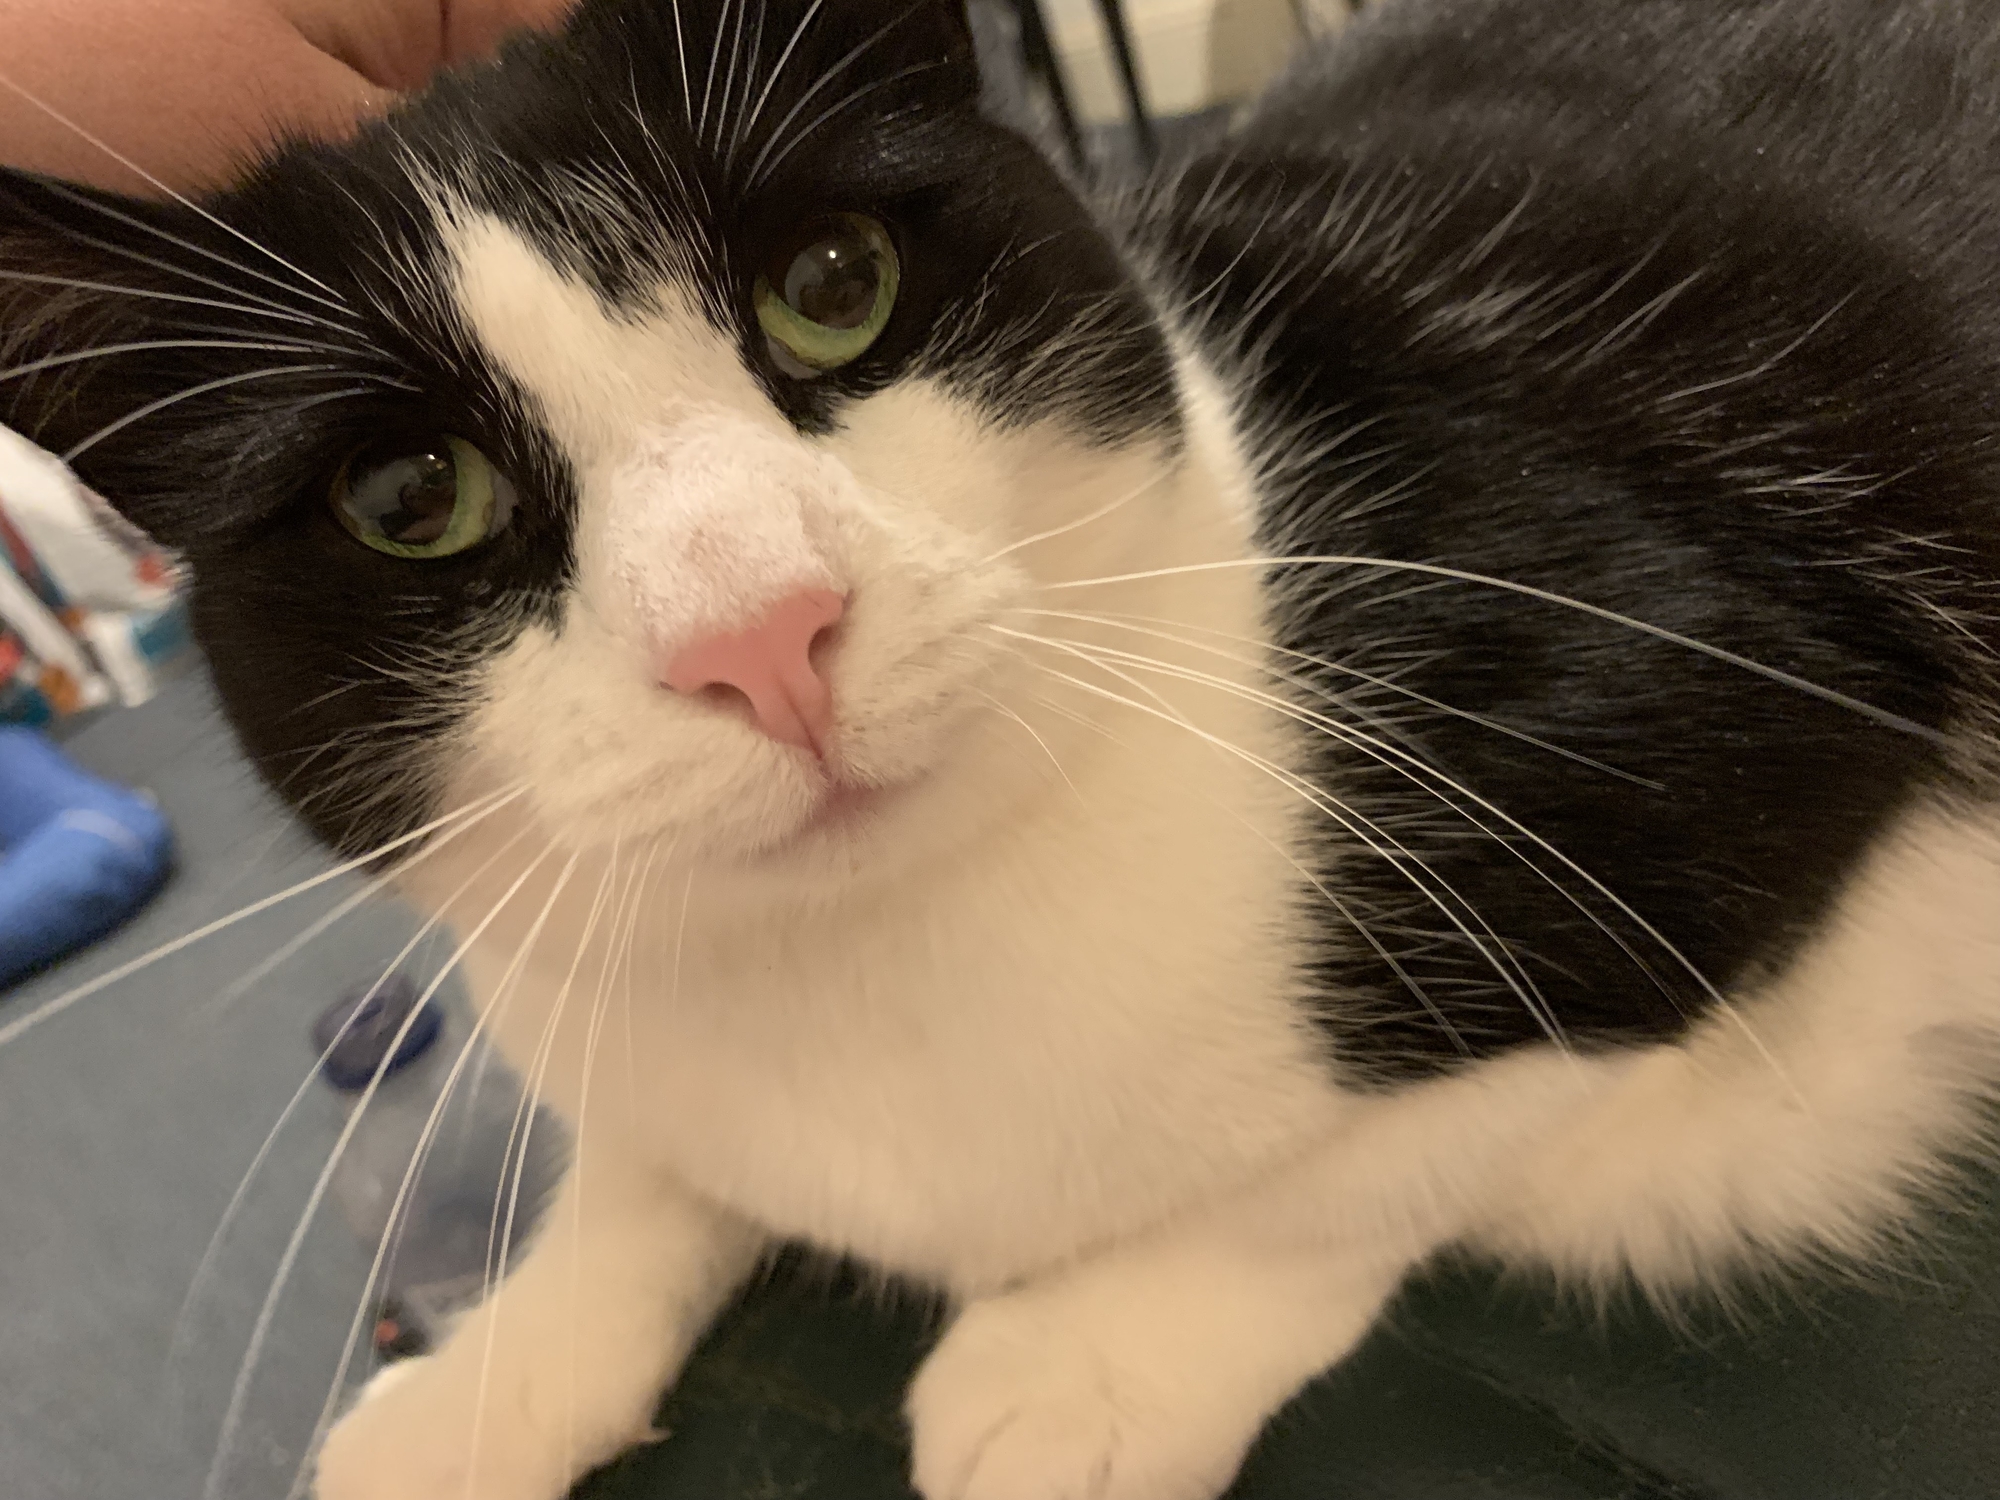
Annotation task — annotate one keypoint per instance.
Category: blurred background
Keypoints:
(1104, 82)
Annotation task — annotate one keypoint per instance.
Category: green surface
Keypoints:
(1473, 1388)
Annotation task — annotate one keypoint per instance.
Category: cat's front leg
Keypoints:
(564, 1365)
(1142, 1375)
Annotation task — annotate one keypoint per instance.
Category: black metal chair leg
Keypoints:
(1040, 56)
(1121, 44)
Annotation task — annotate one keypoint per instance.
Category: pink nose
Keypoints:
(770, 666)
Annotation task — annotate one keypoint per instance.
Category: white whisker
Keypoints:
(206, 1267)
(1340, 907)
(187, 395)
(106, 351)
(1461, 575)
(592, 1029)
(353, 1341)
(832, 111)
(631, 943)
(1097, 515)
(104, 210)
(499, 1234)
(998, 707)
(708, 88)
(729, 73)
(345, 393)
(150, 295)
(260, 1331)
(1315, 797)
(839, 67)
(1393, 758)
(777, 71)
(1397, 855)
(1383, 752)
(504, 993)
(242, 294)
(680, 46)
(339, 303)
(1139, 624)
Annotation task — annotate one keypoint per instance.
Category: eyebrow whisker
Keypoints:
(245, 309)
(338, 303)
(187, 395)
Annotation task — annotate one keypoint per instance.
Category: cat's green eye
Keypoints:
(424, 497)
(827, 293)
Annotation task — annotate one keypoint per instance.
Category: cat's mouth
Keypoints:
(846, 809)
(846, 803)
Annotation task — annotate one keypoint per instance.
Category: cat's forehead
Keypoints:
(647, 135)
(596, 375)
(585, 222)
(650, 137)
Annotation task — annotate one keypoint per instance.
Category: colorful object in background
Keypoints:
(77, 855)
(87, 606)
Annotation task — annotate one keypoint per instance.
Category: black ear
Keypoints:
(125, 327)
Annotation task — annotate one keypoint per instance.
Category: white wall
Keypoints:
(1192, 53)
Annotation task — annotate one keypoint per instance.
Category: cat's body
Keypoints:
(1158, 950)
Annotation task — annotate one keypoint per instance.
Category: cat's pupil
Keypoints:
(411, 497)
(833, 281)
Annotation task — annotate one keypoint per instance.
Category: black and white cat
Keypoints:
(1426, 680)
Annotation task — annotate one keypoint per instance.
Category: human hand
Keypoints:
(191, 89)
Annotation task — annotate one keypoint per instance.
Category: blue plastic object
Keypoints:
(355, 1034)
(77, 855)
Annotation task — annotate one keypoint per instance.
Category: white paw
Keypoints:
(1019, 1402)
(422, 1432)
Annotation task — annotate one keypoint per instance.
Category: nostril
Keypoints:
(775, 669)
(728, 697)
(820, 649)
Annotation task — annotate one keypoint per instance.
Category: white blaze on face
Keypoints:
(708, 523)
(711, 539)
(701, 507)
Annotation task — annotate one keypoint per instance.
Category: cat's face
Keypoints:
(656, 422)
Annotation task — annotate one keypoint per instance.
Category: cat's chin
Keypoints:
(847, 817)
(845, 807)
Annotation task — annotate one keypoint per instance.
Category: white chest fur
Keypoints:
(1078, 1025)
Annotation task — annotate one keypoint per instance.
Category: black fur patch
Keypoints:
(1525, 301)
